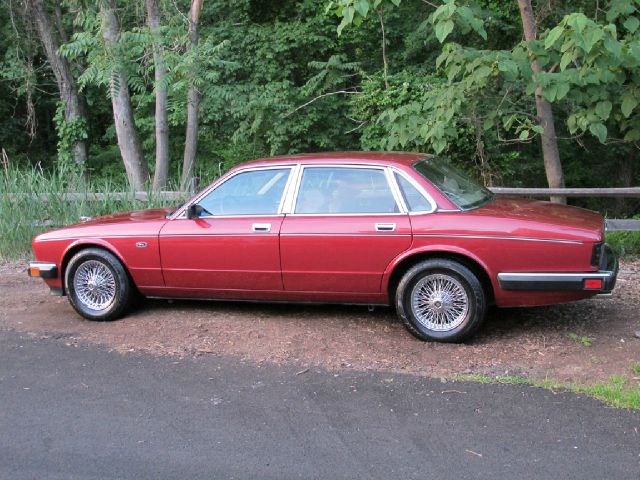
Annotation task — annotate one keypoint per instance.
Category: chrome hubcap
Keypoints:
(439, 302)
(95, 285)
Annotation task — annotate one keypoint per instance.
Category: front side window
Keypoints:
(257, 192)
(455, 185)
(326, 190)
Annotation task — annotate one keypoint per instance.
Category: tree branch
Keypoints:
(345, 92)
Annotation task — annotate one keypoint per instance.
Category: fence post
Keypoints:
(194, 185)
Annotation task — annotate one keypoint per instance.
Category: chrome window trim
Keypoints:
(421, 190)
(367, 166)
(181, 212)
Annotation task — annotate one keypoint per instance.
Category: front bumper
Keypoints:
(602, 281)
(43, 270)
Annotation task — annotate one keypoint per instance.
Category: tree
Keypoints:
(193, 101)
(128, 140)
(161, 90)
(74, 124)
(550, 153)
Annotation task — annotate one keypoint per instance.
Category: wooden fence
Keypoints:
(612, 224)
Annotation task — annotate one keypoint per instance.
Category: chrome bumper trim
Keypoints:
(608, 273)
(44, 269)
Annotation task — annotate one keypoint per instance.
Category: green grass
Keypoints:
(582, 340)
(625, 243)
(635, 368)
(617, 392)
(23, 214)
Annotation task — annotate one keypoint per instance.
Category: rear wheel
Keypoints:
(441, 300)
(97, 285)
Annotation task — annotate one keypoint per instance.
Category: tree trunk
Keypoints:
(193, 103)
(162, 118)
(73, 104)
(550, 153)
(128, 140)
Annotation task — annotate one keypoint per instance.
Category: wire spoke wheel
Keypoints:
(439, 302)
(95, 285)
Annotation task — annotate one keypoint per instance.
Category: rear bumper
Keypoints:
(602, 281)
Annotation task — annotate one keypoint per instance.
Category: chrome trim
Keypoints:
(498, 237)
(292, 189)
(46, 269)
(261, 227)
(556, 281)
(395, 190)
(385, 227)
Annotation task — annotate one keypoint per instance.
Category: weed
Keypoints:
(582, 340)
(32, 201)
(635, 368)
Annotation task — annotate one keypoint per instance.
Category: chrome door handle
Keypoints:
(385, 227)
(261, 227)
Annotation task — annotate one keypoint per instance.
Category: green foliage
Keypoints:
(32, 201)
(626, 242)
(69, 134)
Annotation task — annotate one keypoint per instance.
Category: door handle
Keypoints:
(261, 227)
(385, 227)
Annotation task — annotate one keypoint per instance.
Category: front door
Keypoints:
(345, 229)
(233, 245)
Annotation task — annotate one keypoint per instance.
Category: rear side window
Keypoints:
(326, 190)
(257, 192)
(416, 202)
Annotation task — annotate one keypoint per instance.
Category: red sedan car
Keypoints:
(371, 228)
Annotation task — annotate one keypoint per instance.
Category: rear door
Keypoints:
(345, 228)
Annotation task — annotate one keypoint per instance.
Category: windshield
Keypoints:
(455, 185)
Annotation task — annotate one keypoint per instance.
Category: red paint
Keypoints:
(334, 258)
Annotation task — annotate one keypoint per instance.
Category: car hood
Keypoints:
(128, 217)
(136, 223)
(570, 220)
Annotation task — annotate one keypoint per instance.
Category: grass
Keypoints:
(625, 243)
(617, 392)
(582, 340)
(23, 214)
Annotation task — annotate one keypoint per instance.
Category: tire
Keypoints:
(110, 298)
(454, 318)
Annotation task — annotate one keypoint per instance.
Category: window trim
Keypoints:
(181, 213)
(385, 171)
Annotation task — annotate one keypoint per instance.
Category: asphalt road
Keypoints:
(69, 412)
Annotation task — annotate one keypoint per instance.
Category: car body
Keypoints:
(401, 229)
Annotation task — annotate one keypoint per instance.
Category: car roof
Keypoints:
(386, 158)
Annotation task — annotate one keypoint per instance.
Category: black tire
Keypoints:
(458, 323)
(115, 291)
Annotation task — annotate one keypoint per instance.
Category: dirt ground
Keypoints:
(540, 343)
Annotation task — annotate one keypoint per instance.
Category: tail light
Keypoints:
(597, 254)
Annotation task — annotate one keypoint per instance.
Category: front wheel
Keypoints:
(97, 285)
(441, 300)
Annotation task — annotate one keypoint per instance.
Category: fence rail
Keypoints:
(611, 224)
(631, 192)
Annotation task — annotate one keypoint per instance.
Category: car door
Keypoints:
(345, 228)
(233, 244)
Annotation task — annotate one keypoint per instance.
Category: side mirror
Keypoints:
(194, 211)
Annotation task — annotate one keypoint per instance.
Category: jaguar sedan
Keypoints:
(399, 229)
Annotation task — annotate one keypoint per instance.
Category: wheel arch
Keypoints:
(401, 265)
(80, 245)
